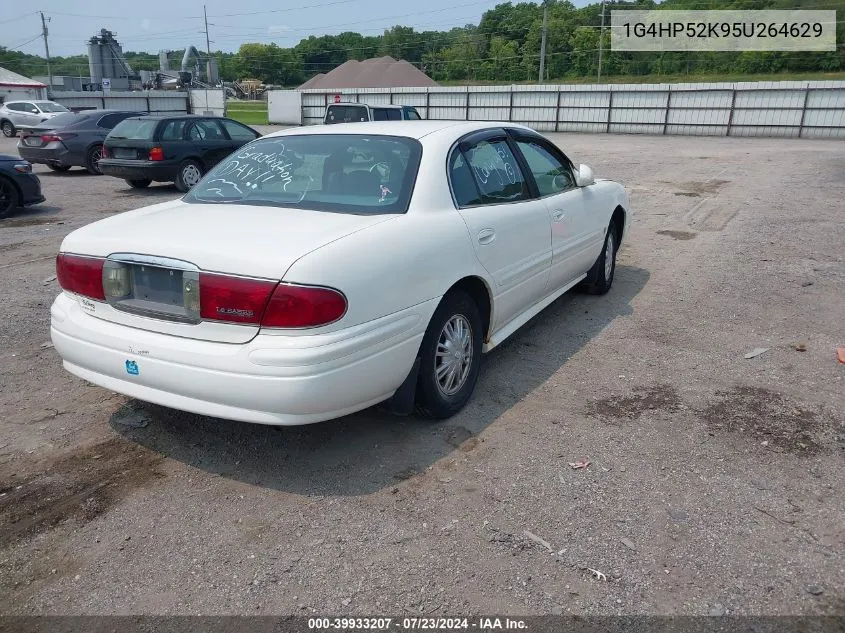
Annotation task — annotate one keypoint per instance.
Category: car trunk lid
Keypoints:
(164, 248)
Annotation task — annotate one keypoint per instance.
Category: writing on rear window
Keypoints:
(251, 167)
(345, 173)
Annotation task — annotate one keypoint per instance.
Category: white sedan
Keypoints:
(318, 271)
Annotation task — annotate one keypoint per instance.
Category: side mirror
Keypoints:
(584, 176)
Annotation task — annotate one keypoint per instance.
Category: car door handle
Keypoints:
(558, 215)
(486, 236)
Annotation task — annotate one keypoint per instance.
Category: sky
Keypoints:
(152, 25)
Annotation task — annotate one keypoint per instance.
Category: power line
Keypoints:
(24, 15)
(32, 39)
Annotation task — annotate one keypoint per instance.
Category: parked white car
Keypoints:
(24, 115)
(318, 271)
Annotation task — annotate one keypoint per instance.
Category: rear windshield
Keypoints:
(346, 114)
(46, 106)
(134, 129)
(342, 173)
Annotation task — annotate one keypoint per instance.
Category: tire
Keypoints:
(443, 397)
(8, 128)
(95, 153)
(139, 184)
(189, 174)
(59, 168)
(9, 197)
(600, 278)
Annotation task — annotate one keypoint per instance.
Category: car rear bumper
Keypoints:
(273, 379)
(48, 156)
(139, 169)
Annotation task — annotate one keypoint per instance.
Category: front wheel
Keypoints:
(92, 158)
(450, 357)
(600, 277)
(190, 173)
(139, 184)
(9, 199)
(9, 130)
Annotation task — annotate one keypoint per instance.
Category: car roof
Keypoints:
(411, 129)
(161, 117)
(103, 112)
(394, 106)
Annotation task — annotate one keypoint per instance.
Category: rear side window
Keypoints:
(238, 132)
(205, 130)
(108, 121)
(463, 184)
(413, 115)
(173, 130)
(342, 173)
(134, 129)
(496, 172)
(387, 114)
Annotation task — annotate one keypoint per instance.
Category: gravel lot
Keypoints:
(715, 484)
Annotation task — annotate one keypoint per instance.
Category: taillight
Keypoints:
(81, 275)
(268, 303)
(156, 153)
(303, 306)
(233, 299)
(49, 138)
(104, 153)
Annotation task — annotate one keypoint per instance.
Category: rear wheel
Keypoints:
(59, 168)
(8, 129)
(92, 158)
(9, 198)
(190, 173)
(450, 357)
(139, 184)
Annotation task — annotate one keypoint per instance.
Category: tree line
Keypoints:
(503, 46)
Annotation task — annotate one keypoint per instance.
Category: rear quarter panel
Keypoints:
(393, 265)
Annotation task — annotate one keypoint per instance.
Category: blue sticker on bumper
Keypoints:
(132, 368)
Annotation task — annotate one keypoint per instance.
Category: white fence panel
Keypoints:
(159, 101)
(783, 109)
(285, 107)
(208, 102)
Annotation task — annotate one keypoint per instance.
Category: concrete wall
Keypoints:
(814, 109)
(160, 101)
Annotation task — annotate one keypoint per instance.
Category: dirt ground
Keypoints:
(715, 484)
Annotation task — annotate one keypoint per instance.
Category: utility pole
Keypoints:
(543, 42)
(601, 41)
(47, 50)
(207, 41)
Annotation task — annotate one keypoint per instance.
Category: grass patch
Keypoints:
(247, 105)
(248, 112)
